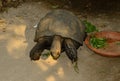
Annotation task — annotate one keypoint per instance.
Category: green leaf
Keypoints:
(118, 43)
(45, 55)
(76, 67)
(89, 27)
(97, 42)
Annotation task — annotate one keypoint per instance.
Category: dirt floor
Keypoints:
(16, 40)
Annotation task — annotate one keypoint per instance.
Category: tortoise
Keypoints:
(58, 31)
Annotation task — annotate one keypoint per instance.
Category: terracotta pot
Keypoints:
(112, 49)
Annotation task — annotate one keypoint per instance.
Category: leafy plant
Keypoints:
(118, 43)
(90, 27)
(97, 42)
(94, 41)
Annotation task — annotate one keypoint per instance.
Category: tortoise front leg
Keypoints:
(36, 51)
(56, 47)
(70, 50)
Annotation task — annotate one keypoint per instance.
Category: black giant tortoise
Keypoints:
(58, 31)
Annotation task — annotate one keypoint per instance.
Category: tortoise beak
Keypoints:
(55, 54)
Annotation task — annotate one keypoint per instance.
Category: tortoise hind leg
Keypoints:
(36, 51)
(70, 50)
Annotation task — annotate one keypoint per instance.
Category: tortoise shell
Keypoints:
(62, 23)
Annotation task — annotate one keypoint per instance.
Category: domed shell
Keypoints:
(63, 23)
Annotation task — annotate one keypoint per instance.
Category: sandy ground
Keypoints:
(16, 40)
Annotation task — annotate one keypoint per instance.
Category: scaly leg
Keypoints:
(70, 50)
